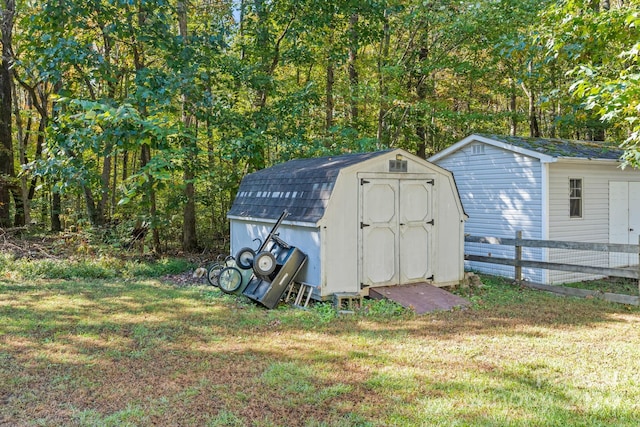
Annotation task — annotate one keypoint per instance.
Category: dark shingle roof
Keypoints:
(562, 147)
(301, 186)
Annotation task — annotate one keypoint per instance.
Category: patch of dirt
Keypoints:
(20, 243)
(183, 280)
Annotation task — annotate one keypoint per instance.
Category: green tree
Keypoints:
(7, 171)
(602, 43)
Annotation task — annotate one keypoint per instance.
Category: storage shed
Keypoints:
(364, 220)
(550, 189)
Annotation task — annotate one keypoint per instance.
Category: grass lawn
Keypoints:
(144, 351)
(616, 285)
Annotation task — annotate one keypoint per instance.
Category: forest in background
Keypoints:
(119, 113)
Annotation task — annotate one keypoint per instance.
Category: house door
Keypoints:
(624, 220)
(396, 226)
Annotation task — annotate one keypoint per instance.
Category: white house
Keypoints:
(550, 189)
(364, 220)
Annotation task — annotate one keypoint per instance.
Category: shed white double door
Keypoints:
(396, 227)
(624, 219)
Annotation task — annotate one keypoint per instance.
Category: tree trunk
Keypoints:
(105, 181)
(125, 165)
(241, 29)
(145, 149)
(56, 198)
(90, 204)
(329, 96)
(23, 216)
(513, 117)
(145, 157)
(7, 172)
(189, 236)
(421, 93)
(534, 128)
(353, 72)
(56, 209)
(18, 200)
(329, 76)
(114, 187)
(262, 40)
(599, 134)
(382, 133)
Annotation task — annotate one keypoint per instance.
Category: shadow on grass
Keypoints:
(144, 353)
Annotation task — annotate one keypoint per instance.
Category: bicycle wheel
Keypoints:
(213, 273)
(244, 258)
(229, 279)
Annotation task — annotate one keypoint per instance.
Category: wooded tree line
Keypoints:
(117, 112)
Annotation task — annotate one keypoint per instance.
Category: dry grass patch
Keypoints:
(143, 352)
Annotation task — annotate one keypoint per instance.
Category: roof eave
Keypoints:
(588, 160)
(273, 220)
(544, 158)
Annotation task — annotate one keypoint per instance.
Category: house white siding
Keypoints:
(510, 183)
(593, 227)
(501, 191)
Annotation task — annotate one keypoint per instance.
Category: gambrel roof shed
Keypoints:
(363, 219)
(548, 188)
(302, 186)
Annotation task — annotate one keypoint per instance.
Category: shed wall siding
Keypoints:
(448, 254)
(340, 225)
(307, 239)
(594, 225)
(501, 191)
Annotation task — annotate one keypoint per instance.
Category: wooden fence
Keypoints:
(518, 263)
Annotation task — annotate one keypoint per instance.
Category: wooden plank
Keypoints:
(621, 299)
(490, 260)
(489, 240)
(562, 290)
(585, 293)
(420, 297)
(605, 271)
(518, 263)
(556, 244)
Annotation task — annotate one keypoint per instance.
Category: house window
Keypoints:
(575, 198)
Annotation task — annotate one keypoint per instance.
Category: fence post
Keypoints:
(518, 257)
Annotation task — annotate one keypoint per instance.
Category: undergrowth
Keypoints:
(104, 267)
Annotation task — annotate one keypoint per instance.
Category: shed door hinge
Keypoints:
(362, 286)
(431, 181)
(363, 181)
(432, 222)
(430, 278)
(363, 225)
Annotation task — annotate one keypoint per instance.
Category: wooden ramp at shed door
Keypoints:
(420, 297)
